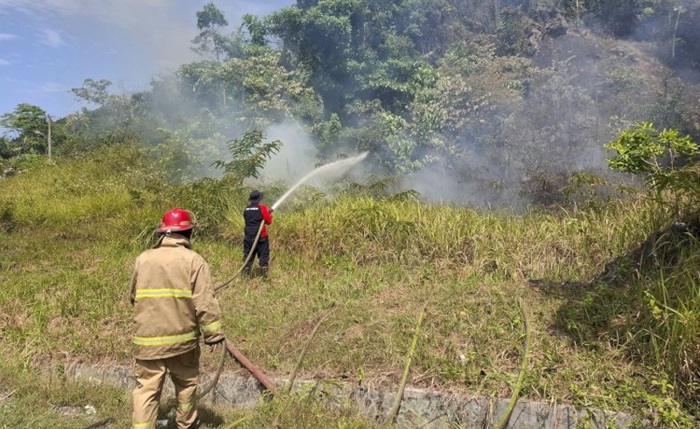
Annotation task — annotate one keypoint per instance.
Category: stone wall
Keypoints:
(419, 408)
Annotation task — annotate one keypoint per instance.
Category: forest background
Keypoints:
(586, 111)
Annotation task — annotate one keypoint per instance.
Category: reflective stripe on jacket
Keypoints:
(173, 298)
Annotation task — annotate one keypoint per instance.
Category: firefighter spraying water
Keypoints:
(256, 216)
(162, 291)
(250, 246)
(265, 219)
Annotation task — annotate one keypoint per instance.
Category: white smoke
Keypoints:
(297, 156)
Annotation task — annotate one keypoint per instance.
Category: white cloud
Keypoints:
(4, 62)
(165, 28)
(165, 36)
(51, 38)
(160, 24)
(122, 12)
(7, 36)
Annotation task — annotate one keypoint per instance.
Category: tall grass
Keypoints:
(538, 244)
(667, 331)
(602, 324)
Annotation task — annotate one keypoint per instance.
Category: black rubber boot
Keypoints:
(246, 271)
(263, 271)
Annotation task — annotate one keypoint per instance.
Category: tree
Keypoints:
(359, 50)
(615, 17)
(94, 91)
(117, 117)
(210, 17)
(254, 91)
(5, 148)
(256, 29)
(513, 32)
(28, 129)
(270, 91)
(250, 153)
(210, 22)
(665, 159)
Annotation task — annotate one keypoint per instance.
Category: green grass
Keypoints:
(69, 234)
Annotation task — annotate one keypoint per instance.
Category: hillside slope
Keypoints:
(71, 231)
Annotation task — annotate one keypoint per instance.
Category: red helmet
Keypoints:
(176, 220)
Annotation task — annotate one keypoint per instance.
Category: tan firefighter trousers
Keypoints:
(150, 375)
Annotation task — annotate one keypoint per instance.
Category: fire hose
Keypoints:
(238, 356)
(229, 347)
(246, 261)
(247, 364)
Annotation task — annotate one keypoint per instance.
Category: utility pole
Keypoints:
(48, 136)
(678, 11)
(578, 14)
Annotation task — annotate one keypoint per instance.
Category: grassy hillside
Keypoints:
(613, 324)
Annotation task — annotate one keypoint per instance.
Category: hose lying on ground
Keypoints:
(222, 362)
(254, 370)
(219, 370)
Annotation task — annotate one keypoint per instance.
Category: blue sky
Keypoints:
(48, 47)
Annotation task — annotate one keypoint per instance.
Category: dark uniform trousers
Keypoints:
(262, 252)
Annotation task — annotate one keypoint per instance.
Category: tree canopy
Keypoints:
(499, 95)
(28, 130)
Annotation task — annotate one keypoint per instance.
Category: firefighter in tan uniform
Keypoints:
(174, 304)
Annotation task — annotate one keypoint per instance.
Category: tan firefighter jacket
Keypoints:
(173, 298)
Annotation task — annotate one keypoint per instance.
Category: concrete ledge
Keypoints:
(419, 408)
